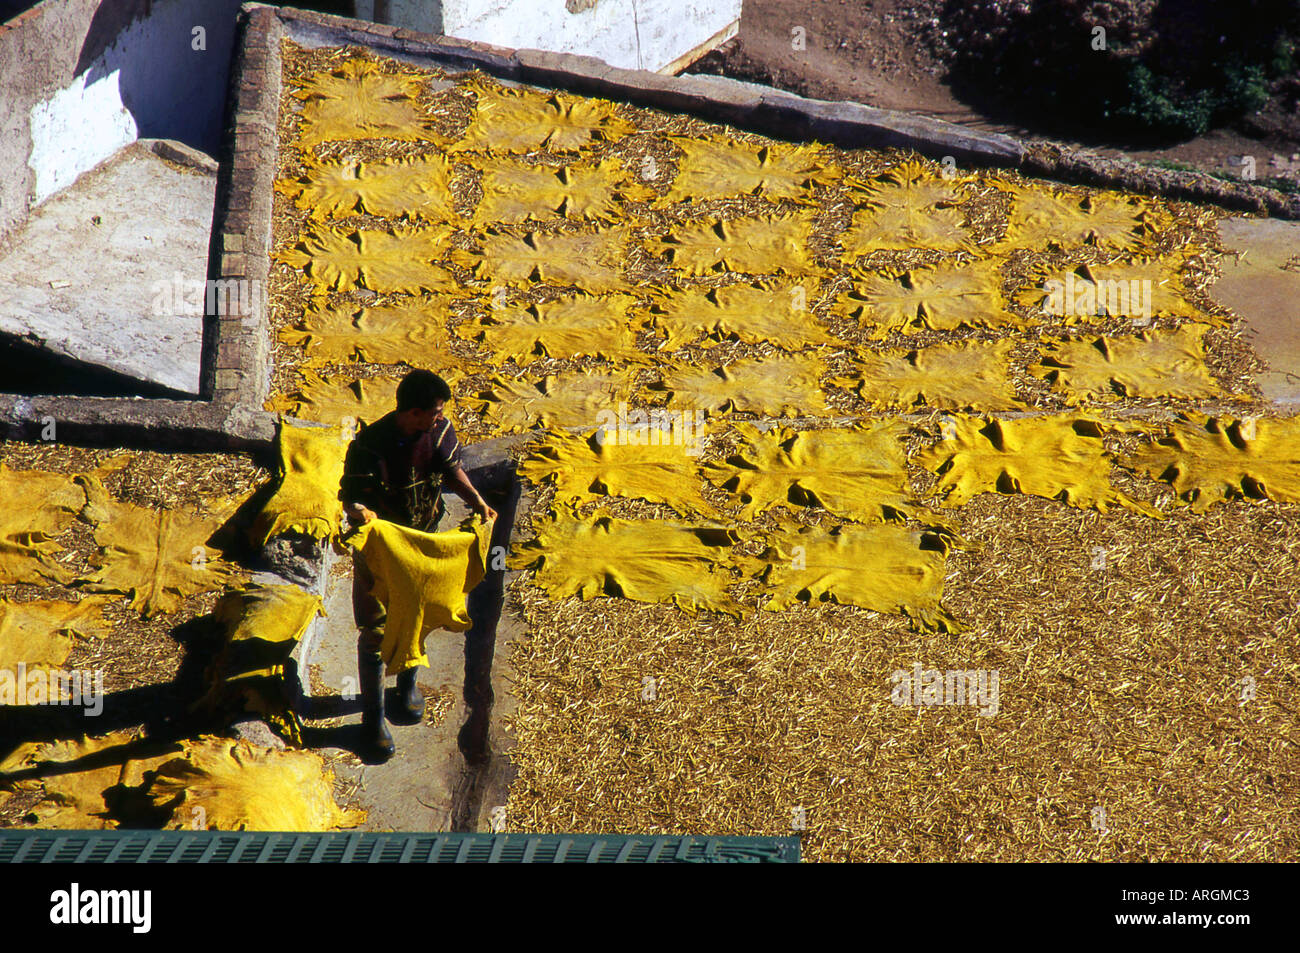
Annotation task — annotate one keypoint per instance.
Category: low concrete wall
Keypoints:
(83, 78)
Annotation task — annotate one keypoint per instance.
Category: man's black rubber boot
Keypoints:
(409, 709)
(377, 742)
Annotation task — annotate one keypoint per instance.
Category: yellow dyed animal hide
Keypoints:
(942, 298)
(858, 474)
(414, 333)
(38, 506)
(357, 101)
(946, 376)
(158, 557)
(306, 501)
(417, 189)
(333, 403)
(400, 261)
(571, 400)
(517, 193)
(1041, 217)
(757, 246)
(779, 314)
(1151, 364)
(588, 468)
(722, 168)
(1208, 460)
(644, 561)
(516, 120)
(882, 568)
(422, 579)
(1059, 457)
(775, 386)
(591, 261)
(40, 634)
(263, 626)
(229, 785)
(598, 326)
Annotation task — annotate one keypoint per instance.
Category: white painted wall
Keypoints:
(76, 130)
(631, 34)
(152, 81)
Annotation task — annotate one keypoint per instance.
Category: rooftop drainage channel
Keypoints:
(221, 847)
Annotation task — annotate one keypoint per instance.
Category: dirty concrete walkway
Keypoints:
(1267, 296)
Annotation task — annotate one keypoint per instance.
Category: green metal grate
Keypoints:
(252, 847)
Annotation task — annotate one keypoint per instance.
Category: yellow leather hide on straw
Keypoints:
(1211, 459)
(40, 634)
(646, 561)
(1058, 457)
(422, 579)
(1152, 364)
(230, 785)
(586, 467)
(357, 101)
(159, 557)
(307, 501)
(263, 626)
(38, 506)
(884, 568)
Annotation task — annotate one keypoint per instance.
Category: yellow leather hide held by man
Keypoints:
(422, 580)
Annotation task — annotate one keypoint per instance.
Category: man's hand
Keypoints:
(358, 513)
(480, 507)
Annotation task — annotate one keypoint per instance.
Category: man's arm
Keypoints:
(459, 482)
(361, 490)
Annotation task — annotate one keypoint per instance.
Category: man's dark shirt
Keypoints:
(400, 477)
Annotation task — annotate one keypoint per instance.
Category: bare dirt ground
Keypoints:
(883, 53)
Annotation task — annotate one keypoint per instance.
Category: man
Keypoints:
(395, 470)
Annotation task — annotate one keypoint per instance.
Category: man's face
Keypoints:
(426, 419)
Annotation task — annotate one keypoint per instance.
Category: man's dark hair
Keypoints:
(420, 390)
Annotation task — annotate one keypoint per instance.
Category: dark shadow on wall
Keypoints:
(173, 88)
(11, 8)
(171, 59)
